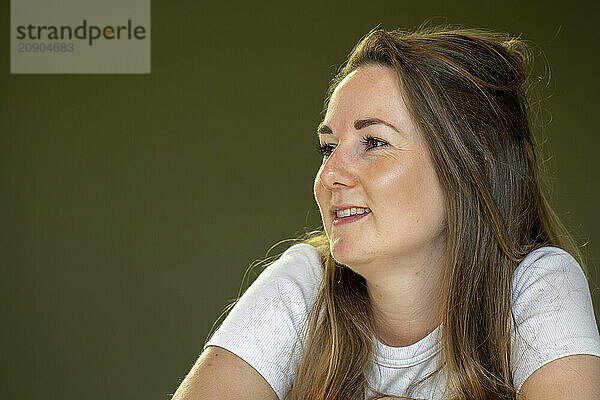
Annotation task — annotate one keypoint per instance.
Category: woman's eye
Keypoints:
(325, 149)
(372, 142)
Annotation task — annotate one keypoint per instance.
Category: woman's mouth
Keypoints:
(350, 215)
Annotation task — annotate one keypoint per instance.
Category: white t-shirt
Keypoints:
(551, 303)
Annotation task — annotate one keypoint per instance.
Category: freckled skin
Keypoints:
(397, 182)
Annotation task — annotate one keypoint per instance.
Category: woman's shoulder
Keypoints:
(553, 311)
(302, 254)
(266, 325)
(297, 258)
(546, 255)
(549, 264)
(299, 266)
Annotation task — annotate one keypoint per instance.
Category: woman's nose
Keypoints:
(338, 170)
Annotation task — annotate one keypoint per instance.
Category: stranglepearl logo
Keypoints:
(80, 36)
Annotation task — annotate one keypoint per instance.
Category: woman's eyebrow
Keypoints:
(323, 129)
(362, 123)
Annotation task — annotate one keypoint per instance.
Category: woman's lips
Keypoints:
(349, 220)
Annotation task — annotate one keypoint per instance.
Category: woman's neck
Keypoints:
(406, 300)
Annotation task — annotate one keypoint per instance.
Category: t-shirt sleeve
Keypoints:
(553, 312)
(266, 325)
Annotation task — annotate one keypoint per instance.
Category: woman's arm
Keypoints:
(556, 353)
(567, 378)
(219, 374)
(254, 352)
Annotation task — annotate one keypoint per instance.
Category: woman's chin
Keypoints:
(348, 254)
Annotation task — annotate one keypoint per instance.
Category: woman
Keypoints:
(442, 272)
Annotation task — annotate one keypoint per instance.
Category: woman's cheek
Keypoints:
(388, 177)
(323, 202)
(400, 185)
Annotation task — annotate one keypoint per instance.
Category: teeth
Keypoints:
(351, 211)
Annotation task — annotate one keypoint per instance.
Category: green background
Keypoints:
(132, 205)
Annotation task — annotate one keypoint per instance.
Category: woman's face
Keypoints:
(375, 158)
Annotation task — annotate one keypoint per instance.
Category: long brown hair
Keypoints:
(466, 92)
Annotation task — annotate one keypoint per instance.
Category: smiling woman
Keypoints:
(373, 166)
(441, 271)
